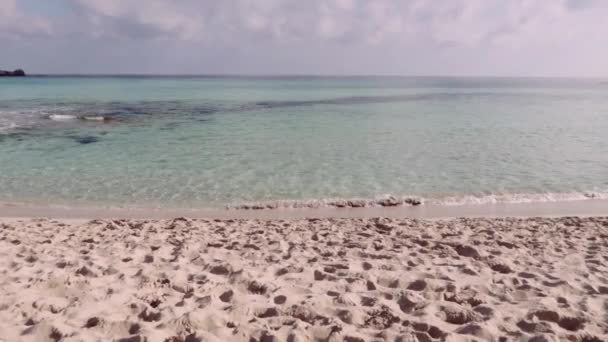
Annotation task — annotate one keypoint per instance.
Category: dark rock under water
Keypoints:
(85, 139)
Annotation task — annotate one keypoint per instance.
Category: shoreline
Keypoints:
(586, 208)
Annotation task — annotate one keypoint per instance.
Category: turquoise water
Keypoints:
(215, 141)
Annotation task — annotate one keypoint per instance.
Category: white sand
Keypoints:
(536, 279)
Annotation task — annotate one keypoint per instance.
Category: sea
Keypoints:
(289, 141)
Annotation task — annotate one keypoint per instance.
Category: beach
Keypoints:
(315, 208)
(316, 279)
(294, 171)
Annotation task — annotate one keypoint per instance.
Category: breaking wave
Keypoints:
(19, 115)
(62, 117)
(405, 201)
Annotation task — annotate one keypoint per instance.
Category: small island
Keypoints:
(16, 73)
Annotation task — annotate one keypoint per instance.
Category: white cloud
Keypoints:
(374, 34)
(451, 22)
(15, 25)
(133, 18)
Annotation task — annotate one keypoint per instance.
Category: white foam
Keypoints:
(8, 126)
(94, 118)
(384, 201)
(395, 201)
(518, 198)
(62, 117)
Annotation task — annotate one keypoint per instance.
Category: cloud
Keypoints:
(16, 25)
(454, 22)
(419, 36)
(582, 4)
(140, 20)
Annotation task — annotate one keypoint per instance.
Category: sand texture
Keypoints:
(533, 279)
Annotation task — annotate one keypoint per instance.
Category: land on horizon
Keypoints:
(15, 73)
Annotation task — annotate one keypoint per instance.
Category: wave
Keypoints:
(15, 120)
(68, 117)
(407, 201)
(62, 117)
(388, 201)
(8, 126)
(19, 115)
(513, 198)
(95, 118)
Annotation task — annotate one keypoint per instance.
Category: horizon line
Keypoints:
(279, 75)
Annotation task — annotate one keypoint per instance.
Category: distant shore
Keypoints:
(15, 73)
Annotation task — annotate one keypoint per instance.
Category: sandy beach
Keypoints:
(294, 171)
(329, 279)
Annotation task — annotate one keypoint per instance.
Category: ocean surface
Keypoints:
(205, 142)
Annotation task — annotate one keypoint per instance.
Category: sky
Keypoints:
(564, 38)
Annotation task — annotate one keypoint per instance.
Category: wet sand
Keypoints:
(320, 279)
(590, 207)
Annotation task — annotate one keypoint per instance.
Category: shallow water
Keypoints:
(213, 141)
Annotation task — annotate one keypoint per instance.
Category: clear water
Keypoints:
(213, 141)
